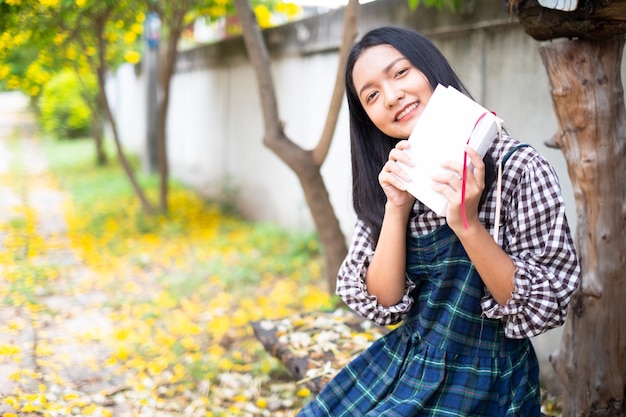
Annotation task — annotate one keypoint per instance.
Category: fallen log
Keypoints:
(315, 346)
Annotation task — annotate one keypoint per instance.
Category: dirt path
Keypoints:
(52, 354)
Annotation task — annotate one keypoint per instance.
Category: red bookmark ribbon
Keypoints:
(464, 180)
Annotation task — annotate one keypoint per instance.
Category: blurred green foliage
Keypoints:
(64, 105)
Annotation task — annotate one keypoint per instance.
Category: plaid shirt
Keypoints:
(534, 233)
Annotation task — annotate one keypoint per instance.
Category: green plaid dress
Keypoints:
(445, 359)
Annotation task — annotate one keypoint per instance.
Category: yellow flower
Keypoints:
(225, 364)
(9, 350)
(219, 326)
(70, 396)
(239, 398)
(122, 354)
(43, 350)
(13, 83)
(13, 402)
(130, 38)
(261, 403)
(121, 334)
(132, 57)
(303, 392)
(189, 344)
(29, 408)
(4, 71)
(49, 3)
(158, 365)
(137, 28)
(90, 409)
(59, 38)
(240, 318)
(289, 9)
(315, 299)
(71, 53)
(263, 16)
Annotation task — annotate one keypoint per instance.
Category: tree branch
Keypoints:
(349, 34)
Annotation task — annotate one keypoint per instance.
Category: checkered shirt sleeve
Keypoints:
(535, 234)
(351, 285)
(538, 239)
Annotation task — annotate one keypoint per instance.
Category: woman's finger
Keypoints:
(477, 164)
(391, 167)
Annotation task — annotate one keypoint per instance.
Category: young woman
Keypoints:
(469, 303)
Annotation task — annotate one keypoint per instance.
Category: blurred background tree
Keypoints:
(91, 38)
(64, 105)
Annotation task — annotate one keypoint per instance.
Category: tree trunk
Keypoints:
(588, 100)
(176, 25)
(96, 131)
(97, 117)
(306, 164)
(318, 201)
(104, 102)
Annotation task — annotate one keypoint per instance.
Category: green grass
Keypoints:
(268, 247)
(73, 163)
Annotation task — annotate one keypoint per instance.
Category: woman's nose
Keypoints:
(393, 95)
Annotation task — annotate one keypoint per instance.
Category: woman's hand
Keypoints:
(450, 184)
(393, 178)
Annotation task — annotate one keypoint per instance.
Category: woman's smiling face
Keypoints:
(391, 90)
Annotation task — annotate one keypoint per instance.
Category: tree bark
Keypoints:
(306, 164)
(94, 104)
(174, 17)
(104, 102)
(591, 20)
(588, 100)
(350, 20)
(96, 130)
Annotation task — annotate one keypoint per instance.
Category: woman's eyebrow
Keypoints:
(385, 70)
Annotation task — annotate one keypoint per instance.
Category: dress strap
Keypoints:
(510, 152)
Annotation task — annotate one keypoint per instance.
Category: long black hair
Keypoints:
(369, 146)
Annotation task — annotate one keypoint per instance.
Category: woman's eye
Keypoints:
(401, 72)
(371, 96)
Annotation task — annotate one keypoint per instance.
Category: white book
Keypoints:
(449, 122)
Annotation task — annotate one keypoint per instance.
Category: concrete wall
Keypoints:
(215, 124)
